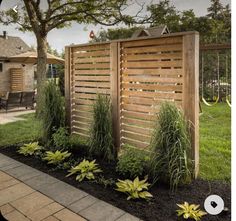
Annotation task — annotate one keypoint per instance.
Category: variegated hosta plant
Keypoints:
(190, 211)
(134, 189)
(56, 157)
(30, 148)
(85, 169)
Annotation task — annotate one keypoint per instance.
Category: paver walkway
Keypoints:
(28, 194)
(13, 115)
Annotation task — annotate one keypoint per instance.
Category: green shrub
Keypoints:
(30, 149)
(134, 189)
(171, 145)
(132, 162)
(190, 211)
(85, 169)
(56, 157)
(77, 140)
(61, 139)
(50, 109)
(101, 140)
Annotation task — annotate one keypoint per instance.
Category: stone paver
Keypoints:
(102, 211)
(8, 183)
(82, 203)
(67, 215)
(63, 193)
(41, 180)
(23, 172)
(13, 165)
(127, 217)
(5, 209)
(31, 203)
(45, 197)
(13, 193)
(45, 212)
(51, 218)
(16, 216)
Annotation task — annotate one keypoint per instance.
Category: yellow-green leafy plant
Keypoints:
(85, 169)
(190, 211)
(134, 189)
(56, 157)
(30, 148)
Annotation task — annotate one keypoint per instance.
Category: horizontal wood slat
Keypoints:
(148, 49)
(134, 129)
(91, 60)
(92, 90)
(93, 84)
(134, 143)
(152, 56)
(137, 137)
(91, 72)
(85, 54)
(158, 87)
(152, 64)
(158, 95)
(152, 79)
(92, 78)
(155, 71)
(137, 122)
(92, 66)
(148, 42)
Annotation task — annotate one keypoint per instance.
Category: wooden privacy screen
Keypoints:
(138, 74)
(17, 79)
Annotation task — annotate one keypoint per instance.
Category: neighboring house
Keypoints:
(14, 76)
(151, 32)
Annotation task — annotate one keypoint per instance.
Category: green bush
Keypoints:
(101, 139)
(132, 162)
(50, 110)
(171, 162)
(61, 139)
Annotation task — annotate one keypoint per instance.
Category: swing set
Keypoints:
(215, 74)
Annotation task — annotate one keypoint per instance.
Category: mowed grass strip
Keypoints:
(22, 131)
(215, 142)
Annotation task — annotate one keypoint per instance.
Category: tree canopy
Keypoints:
(41, 17)
(214, 27)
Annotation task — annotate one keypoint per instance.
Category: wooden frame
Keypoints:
(138, 74)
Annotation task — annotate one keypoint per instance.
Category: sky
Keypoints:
(79, 33)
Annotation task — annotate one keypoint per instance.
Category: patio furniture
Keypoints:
(18, 99)
(27, 99)
(12, 99)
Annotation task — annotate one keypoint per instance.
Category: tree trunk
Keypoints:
(42, 60)
(41, 69)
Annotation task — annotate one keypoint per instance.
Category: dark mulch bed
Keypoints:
(161, 208)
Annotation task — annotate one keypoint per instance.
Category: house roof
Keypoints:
(152, 32)
(10, 46)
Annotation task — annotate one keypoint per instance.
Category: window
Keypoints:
(1, 67)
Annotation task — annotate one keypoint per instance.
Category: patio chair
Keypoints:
(12, 99)
(27, 99)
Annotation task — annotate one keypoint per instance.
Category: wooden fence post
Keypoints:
(191, 91)
(114, 70)
(67, 87)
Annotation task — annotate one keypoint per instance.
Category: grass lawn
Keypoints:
(215, 142)
(215, 139)
(21, 131)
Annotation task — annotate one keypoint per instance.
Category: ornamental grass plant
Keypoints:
(101, 137)
(171, 162)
